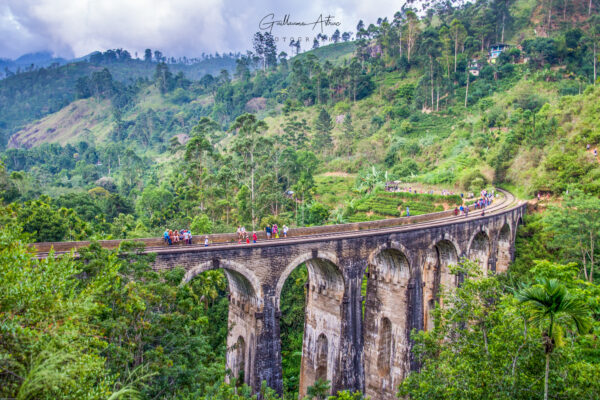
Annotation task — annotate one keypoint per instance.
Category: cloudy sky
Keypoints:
(73, 28)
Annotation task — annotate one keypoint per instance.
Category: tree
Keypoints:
(458, 34)
(259, 48)
(199, 145)
(163, 78)
(40, 220)
(270, 51)
(336, 36)
(479, 327)
(412, 32)
(431, 46)
(249, 144)
(575, 229)
(482, 26)
(552, 308)
(594, 35)
(360, 28)
(323, 125)
(148, 55)
(201, 224)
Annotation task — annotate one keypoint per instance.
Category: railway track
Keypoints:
(506, 202)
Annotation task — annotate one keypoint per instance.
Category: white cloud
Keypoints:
(177, 27)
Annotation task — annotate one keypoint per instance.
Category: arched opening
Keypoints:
(479, 251)
(322, 354)
(503, 256)
(291, 328)
(436, 276)
(310, 324)
(391, 292)
(233, 302)
(385, 347)
(239, 362)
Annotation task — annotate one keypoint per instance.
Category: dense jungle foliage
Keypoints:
(119, 147)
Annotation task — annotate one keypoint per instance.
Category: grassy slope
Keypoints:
(85, 119)
(336, 53)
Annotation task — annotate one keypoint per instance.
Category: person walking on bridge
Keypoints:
(285, 230)
(268, 231)
(254, 237)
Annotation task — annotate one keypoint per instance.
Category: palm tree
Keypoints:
(552, 309)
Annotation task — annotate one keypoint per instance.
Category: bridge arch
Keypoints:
(436, 275)
(245, 300)
(329, 261)
(392, 245)
(480, 248)
(241, 277)
(503, 248)
(518, 223)
(325, 289)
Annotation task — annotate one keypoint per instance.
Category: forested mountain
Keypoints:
(40, 90)
(455, 97)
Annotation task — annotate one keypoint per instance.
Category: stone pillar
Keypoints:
(322, 341)
(242, 324)
(253, 343)
(392, 310)
(351, 374)
(415, 303)
(267, 365)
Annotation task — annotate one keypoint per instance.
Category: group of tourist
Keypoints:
(272, 232)
(171, 237)
(243, 235)
(481, 203)
(485, 200)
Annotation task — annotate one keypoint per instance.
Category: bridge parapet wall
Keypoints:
(45, 247)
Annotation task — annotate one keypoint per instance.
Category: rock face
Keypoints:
(405, 268)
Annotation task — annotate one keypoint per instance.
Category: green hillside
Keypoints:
(438, 105)
(31, 95)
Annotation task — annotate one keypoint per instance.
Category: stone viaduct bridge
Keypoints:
(406, 261)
